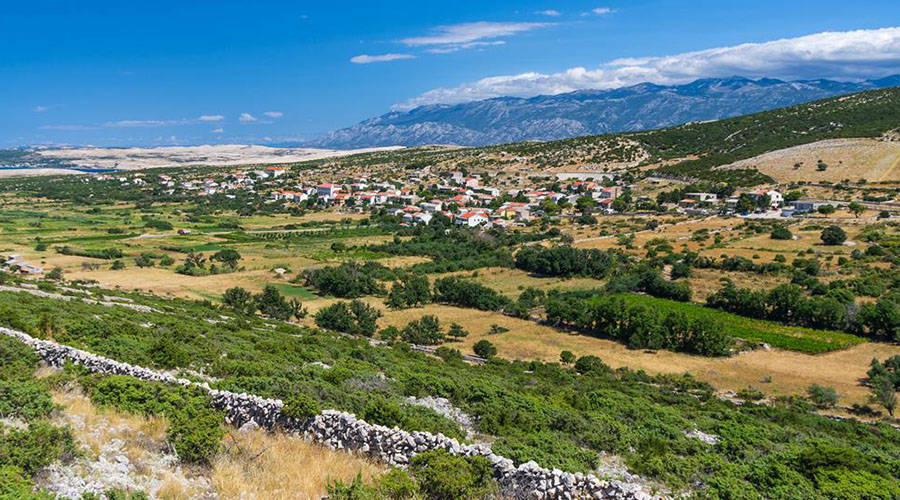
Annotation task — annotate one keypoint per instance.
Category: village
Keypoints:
(481, 200)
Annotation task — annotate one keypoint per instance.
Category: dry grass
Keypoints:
(143, 442)
(852, 159)
(259, 465)
(95, 427)
(790, 372)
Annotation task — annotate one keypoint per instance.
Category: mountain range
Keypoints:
(586, 112)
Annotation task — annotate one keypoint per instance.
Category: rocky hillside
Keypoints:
(586, 112)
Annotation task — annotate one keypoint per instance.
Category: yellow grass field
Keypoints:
(254, 465)
(854, 159)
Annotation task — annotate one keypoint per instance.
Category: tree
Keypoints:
(55, 274)
(424, 331)
(484, 349)
(411, 291)
(884, 393)
(585, 204)
(857, 208)
(833, 235)
(228, 256)
(566, 357)
(338, 247)
(239, 300)
(271, 303)
(355, 317)
(456, 331)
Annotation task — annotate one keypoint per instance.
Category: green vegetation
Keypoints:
(756, 330)
(561, 417)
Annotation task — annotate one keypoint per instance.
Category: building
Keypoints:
(471, 219)
(805, 206)
(275, 171)
(327, 190)
(702, 197)
(776, 199)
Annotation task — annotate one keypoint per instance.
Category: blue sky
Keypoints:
(189, 72)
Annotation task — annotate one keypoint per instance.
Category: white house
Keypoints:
(327, 190)
(471, 219)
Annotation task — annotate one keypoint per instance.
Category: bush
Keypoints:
(822, 396)
(36, 447)
(833, 235)
(300, 406)
(196, 433)
(484, 349)
(591, 364)
(442, 476)
(15, 485)
(781, 233)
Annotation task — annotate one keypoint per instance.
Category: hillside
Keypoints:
(693, 150)
(586, 112)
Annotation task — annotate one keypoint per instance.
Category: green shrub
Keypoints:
(300, 406)
(15, 485)
(36, 447)
(822, 396)
(442, 476)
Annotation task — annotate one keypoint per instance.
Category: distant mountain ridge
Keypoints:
(586, 112)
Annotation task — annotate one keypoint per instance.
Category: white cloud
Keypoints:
(366, 59)
(453, 48)
(218, 130)
(145, 123)
(601, 11)
(836, 55)
(465, 33)
(273, 114)
(549, 12)
(211, 118)
(39, 109)
(247, 118)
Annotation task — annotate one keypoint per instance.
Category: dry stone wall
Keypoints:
(343, 431)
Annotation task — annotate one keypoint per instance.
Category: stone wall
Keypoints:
(344, 431)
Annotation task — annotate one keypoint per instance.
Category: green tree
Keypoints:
(857, 208)
(484, 349)
(585, 205)
(239, 300)
(833, 235)
(271, 303)
(55, 274)
(884, 393)
(229, 256)
(424, 331)
(456, 331)
(566, 357)
(411, 291)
